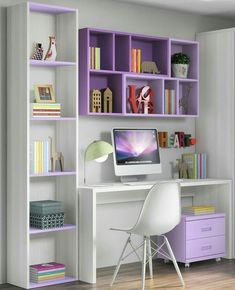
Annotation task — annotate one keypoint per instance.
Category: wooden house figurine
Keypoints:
(96, 103)
(107, 101)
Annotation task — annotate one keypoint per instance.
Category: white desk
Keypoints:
(204, 191)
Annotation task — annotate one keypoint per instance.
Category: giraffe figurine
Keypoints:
(56, 156)
(51, 52)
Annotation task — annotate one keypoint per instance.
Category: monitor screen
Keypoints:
(137, 149)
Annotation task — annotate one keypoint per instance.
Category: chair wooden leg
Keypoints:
(150, 258)
(174, 261)
(144, 263)
(119, 262)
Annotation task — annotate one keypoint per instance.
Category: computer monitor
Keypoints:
(136, 152)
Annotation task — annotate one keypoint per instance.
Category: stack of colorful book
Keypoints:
(136, 60)
(42, 110)
(47, 272)
(94, 57)
(170, 102)
(40, 156)
(196, 163)
(46, 214)
(197, 210)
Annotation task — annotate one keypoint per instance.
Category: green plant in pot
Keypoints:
(180, 64)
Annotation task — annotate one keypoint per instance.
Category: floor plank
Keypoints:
(207, 275)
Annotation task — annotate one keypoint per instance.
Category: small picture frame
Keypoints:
(44, 94)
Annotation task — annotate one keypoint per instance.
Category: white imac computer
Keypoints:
(136, 153)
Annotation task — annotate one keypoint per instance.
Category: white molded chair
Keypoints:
(160, 213)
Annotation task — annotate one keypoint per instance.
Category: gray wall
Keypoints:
(113, 15)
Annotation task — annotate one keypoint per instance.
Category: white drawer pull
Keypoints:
(208, 229)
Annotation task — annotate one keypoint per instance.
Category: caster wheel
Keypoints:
(187, 265)
(218, 259)
(166, 261)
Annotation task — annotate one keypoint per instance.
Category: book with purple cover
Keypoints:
(47, 266)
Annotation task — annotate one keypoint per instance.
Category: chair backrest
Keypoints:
(161, 211)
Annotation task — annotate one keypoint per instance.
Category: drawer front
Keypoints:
(205, 228)
(205, 247)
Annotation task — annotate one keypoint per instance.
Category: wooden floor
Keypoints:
(209, 275)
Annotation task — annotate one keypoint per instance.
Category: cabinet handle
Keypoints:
(208, 229)
(204, 248)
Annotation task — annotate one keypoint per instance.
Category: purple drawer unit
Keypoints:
(198, 238)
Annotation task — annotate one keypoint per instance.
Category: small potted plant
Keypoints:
(180, 64)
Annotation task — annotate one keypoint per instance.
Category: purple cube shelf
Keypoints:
(35, 62)
(49, 283)
(56, 173)
(50, 9)
(66, 227)
(116, 71)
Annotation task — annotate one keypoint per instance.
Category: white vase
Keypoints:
(180, 70)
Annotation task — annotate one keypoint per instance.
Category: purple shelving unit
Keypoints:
(66, 227)
(34, 62)
(56, 173)
(115, 71)
(50, 283)
(53, 119)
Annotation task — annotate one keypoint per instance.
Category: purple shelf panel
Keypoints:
(52, 119)
(66, 227)
(153, 49)
(50, 9)
(105, 114)
(34, 62)
(114, 82)
(57, 173)
(190, 91)
(122, 52)
(157, 89)
(105, 41)
(191, 49)
(49, 283)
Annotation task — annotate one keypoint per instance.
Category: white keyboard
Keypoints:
(140, 182)
(149, 182)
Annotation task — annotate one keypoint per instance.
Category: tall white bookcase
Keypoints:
(28, 23)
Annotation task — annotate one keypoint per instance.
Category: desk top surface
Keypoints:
(107, 187)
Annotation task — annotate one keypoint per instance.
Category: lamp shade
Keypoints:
(98, 149)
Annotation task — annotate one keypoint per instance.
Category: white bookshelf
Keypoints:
(28, 23)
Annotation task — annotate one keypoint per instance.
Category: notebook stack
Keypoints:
(46, 214)
(47, 272)
(197, 210)
(42, 110)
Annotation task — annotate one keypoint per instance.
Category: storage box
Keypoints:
(47, 221)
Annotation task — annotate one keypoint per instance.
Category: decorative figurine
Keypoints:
(183, 169)
(107, 101)
(51, 52)
(38, 52)
(96, 104)
(56, 156)
(183, 102)
(149, 67)
(143, 103)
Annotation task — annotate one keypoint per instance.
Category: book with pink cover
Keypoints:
(47, 266)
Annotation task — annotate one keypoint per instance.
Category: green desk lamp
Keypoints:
(98, 151)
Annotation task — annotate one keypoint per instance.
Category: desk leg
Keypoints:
(87, 235)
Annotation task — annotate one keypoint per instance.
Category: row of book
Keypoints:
(42, 110)
(197, 210)
(196, 163)
(94, 57)
(40, 156)
(170, 101)
(136, 60)
(47, 272)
